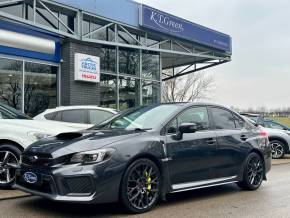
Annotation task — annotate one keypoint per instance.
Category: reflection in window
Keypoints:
(222, 119)
(11, 83)
(106, 34)
(123, 37)
(73, 116)
(108, 60)
(98, 116)
(15, 10)
(150, 65)
(128, 92)
(150, 92)
(108, 92)
(40, 88)
(45, 18)
(86, 27)
(129, 61)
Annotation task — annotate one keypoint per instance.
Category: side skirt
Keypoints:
(203, 184)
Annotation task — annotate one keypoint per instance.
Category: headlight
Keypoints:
(95, 156)
(35, 136)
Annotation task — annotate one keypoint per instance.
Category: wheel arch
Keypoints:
(258, 152)
(7, 141)
(272, 138)
(146, 156)
(152, 158)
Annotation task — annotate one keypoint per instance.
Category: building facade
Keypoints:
(94, 52)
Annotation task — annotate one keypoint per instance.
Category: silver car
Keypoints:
(279, 139)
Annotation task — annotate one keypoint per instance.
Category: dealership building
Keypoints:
(111, 53)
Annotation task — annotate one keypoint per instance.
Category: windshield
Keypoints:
(7, 112)
(146, 117)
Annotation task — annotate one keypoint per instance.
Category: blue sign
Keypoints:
(163, 22)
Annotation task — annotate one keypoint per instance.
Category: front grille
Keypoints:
(40, 160)
(78, 185)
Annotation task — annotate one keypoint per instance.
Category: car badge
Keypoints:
(30, 177)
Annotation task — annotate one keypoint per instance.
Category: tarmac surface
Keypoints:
(271, 200)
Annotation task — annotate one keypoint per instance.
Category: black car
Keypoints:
(146, 153)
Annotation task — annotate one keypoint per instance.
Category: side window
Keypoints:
(222, 119)
(172, 128)
(50, 116)
(74, 116)
(197, 115)
(240, 124)
(98, 116)
(57, 116)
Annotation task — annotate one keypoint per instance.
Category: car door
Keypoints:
(232, 136)
(190, 158)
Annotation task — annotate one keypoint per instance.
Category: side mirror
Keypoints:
(186, 128)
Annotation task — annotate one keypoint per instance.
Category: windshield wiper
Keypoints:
(141, 130)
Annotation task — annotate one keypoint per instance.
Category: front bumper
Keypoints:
(74, 183)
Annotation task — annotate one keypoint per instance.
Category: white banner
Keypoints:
(87, 68)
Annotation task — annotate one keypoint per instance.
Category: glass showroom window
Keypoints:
(40, 89)
(11, 82)
(128, 92)
(123, 37)
(129, 61)
(150, 65)
(108, 91)
(150, 92)
(108, 60)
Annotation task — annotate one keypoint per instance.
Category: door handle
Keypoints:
(211, 141)
(244, 138)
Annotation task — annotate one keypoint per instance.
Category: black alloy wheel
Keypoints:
(9, 160)
(253, 173)
(140, 189)
(278, 149)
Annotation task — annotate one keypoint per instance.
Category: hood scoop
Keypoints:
(69, 135)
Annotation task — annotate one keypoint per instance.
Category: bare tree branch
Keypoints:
(193, 87)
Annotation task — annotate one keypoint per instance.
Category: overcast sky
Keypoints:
(259, 73)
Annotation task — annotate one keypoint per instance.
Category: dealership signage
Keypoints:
(162, 22)
(87, 68)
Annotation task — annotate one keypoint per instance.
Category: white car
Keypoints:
(17, 132)
(78, 117)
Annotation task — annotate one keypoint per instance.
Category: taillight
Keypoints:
(264, 134)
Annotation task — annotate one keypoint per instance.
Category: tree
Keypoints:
(192, 87)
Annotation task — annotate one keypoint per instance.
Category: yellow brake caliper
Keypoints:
(148, 178)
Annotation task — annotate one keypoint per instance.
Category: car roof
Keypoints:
(186, 104)
(62, 108)
(250, 114)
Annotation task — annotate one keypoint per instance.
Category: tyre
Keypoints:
(253, 173)
(278, 149)
(140, 187)
(9, 159)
